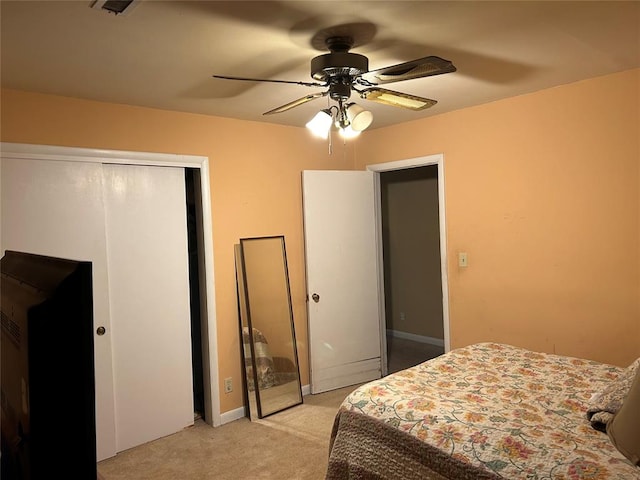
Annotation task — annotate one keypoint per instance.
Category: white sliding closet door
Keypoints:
(56, 209)
(149, 292)
(130, 222)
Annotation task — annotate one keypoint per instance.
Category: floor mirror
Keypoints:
(272, 375)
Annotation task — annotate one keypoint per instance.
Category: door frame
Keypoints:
(438, 161)
(93, 155)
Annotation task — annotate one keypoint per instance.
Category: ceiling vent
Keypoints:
(117, 7)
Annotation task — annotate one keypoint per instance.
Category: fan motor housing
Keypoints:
(338, 64)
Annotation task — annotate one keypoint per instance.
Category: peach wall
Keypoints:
(255, 185)
(542, 192)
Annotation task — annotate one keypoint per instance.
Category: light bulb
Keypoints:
(320, 124)
(348, 132)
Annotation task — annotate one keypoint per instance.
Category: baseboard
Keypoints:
(239, 413)
(232, 415)
(439, 342)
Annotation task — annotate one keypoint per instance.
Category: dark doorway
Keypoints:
(194, 235)
(412, 270)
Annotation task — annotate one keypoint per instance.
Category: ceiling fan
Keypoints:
(343, 72)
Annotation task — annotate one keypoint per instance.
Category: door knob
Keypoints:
(315, 297)
(101, 330)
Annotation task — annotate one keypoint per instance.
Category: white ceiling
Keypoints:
(163, 53)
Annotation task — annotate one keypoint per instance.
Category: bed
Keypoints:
(484, 411)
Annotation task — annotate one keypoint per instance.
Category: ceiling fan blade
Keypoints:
(306, 84)
(295, 103)
(422, 67)
(396, 99)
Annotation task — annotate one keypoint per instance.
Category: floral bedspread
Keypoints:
(517, 413)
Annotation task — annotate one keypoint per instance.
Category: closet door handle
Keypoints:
(101, 331)
(315, 297)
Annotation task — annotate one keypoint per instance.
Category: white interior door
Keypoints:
(56, 209)
(343, 276)
(149, 292)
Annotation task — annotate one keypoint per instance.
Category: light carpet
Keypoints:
(292, 444)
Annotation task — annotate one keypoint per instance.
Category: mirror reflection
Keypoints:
(267, 330)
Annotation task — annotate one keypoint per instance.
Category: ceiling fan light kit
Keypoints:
(343, 73)
(350, 120)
